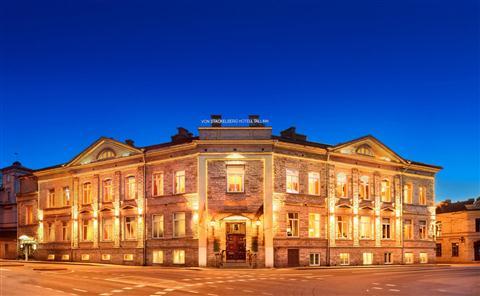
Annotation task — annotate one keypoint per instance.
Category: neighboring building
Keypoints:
(241, 190)
(458, 231)
(9, 187)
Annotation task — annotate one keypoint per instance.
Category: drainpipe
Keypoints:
(401, 200)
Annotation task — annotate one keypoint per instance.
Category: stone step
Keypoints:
(236, 265)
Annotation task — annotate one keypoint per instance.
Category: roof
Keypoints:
(459, 206)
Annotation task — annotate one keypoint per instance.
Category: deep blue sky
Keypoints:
(405, 71)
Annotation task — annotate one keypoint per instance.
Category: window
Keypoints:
(127, 257)
(455, 249)
(178, 224)
(438, 250)
(85, 257)
(438, 228)
(292, 225)
(28, 214)
(344, 258)
(65, 196)
(422, 229)
(407, 194)
(157, 226)
(235, 177)
(408, 258)
(364, 190)
(292, 181)
(367, 258)
(107, 190)
(87, 193)
(477, 224)
(342, 227)
(313, 225)
(130, 228)
(178, 256)
(341, 187)
(157, 256)
(387, 258)
(65, 231)
(51, 198)
(422, 195)
(105, 154)
(385, 191)
(365, 150)
(315, 259)
(50, 232)
(130, 188)
(179, 182)
(386, 228)
(87, 231)
(423, 258)
(407, 229)
(313, 183)
(65, 257)
(157, 184)
(51, 257)
(106, 257)
(107, 229)
(365, 227)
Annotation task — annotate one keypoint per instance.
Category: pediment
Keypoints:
(104, 149)
(368, 147)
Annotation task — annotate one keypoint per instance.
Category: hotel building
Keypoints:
(233, 195)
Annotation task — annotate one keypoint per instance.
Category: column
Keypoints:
(378, 205)
(202, 211)
(268, 211)
(140, 181)
(355, 180)
(331, 203)
(117, 181)
(95, 207)
(75, 209)
(398, 210)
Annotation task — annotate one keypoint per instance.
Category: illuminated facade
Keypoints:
(232, 194)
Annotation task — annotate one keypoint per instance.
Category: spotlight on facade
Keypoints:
(258, 223)
(212, 223)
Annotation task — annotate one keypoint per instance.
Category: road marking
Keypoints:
(390, 285)
(394, 290)
(116, 291)
(168, 289)
(80, 290)
(127, 288)
(377, 288)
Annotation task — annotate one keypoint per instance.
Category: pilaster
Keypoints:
(355, 181)
(378, 206)
(331, 203)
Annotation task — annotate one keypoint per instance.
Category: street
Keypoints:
(68, 279)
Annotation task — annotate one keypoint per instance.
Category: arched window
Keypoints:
(364, 192)
(106, 154)
(341, 188)
(385, 190)
(365, 150)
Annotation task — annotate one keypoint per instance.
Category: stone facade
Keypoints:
(233, 195)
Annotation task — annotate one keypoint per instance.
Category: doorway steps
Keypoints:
(235, 265)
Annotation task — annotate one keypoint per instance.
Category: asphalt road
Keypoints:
(40, 279)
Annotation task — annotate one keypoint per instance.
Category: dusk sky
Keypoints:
(406, 72)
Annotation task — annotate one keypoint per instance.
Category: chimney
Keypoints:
(182, 135)
(216, 120)
(130, 142)
(254, 121)
(291, 134)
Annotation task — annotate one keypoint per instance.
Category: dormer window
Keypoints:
(365, 150)
(106, 154)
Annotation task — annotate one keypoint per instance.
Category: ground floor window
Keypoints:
(454, 249)
(65, 257)
(367, 258)
(408, 258)
(51, 257)
(344, 259)
(106, 257)
(423, 258)
(158, 257)
(85, 257)
(314, 259)
(128, 257)
(387, 258)
(178, 256)
(438, 250)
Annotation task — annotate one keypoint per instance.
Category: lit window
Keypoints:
(179, 182)
(422, 195)
(178, 256)
(85, 257)
(407, 229)
(130, 188)
(50, 232)
(65, 257)
(364, 190)
(106, 154)
(127, 257)
(387, 258)
(292, 181)
(408, 258)
(235, 177)
(341, 187)
(178, 224)
(344, 258)
(28, 214)
(386, 228)
(157, 226)
(342, 227)
(313, 225)
(157, 184)
(107, 229)
(106, 257)
(130, 228)
(365, 150)
(66, 196)
(422, 229)
(292, 225)
(51, 198)
(157, 256)
(87, 193)
(455, 249)
(367, 258)
(51, 257)
(313, 183)
(385, 191)
(438, 228)
(87, 230)
(107, 190)
(423, 258)
(365, 227)
(407, 194)
(65, 231)
(315, 259)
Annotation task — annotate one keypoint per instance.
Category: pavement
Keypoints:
(17, 278)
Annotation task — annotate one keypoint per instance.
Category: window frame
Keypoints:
(369, 256)
(386, 228)
(345, 227)
(422, 230)
(154, 256)
(410, 229)
(422, 195)
(292, 178)
(87, 198)
(291, 222)
(314, 183)
(162, 225)
(341, 185)
(179, 182)
(175, 219)
(361, 227)
(342, 260)
(455, 249)
(107, 190)
(364, 187)
(29, 217)
(385, 190)
(158, 182)
(316, 259)
(51, 199)
(408, 193)
(316, 223)
(66, 197)
(389, 256)
(102, 235)
(241, 174)
(183, 256)
(128, 188)
(133, 226)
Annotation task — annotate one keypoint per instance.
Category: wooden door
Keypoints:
(236, 247)
(476, 249)
(293, 257)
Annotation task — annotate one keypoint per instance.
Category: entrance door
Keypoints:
(236, 245)
(293, 257)
(476, 249)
